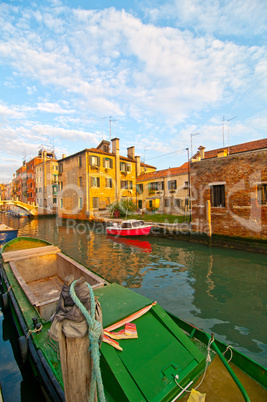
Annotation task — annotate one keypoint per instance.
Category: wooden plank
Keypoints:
(31, 297)
(29, 253)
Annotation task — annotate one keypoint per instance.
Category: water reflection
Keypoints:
(143, 245)
(219, 290)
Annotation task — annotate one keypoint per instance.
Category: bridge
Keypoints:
(31, 209)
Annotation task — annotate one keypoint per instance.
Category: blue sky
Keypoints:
(167, 72)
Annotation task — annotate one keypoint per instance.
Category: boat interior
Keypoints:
(41, 273)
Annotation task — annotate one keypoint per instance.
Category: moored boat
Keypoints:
(130, 227)
(167, 354)
(7, 233)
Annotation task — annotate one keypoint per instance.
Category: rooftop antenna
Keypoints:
(110, 120)
(232, 118)
(192, 135)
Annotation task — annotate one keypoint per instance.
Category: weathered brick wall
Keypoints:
(242, 215)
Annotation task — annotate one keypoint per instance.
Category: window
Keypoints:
(107, 163)
(54, 200)
(60, 167)
(40, 189)
(140, 188)
(150, 204)
(128, 167)
(186, 184)
(178, 202)
(95, 202)
(95, 181)
(61, 202)
(94, 160)
(140, 204)
(80, 202)
(262, 194)
(217, 195)
(123, 167)
(80, 182)
(108, 183)
(166, 202)
(80, 161)
(172, 185)
(126, 184)
(153, 186)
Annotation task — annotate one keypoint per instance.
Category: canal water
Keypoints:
(218, 290)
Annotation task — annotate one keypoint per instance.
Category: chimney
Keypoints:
(138, 166)
(63, 156)
(130, 152)
(115, 145)
(201, 151)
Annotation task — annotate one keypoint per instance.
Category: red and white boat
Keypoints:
(131, 227)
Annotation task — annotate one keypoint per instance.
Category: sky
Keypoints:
(163, 76)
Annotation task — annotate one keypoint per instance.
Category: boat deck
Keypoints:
(218, 385)
(46, 289)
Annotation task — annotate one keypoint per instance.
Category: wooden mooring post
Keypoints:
(76, 365)
(70, 329)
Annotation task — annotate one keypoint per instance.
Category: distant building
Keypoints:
(21, 183)
(31, 184)
(165, 190)
(3, 192)
(92, 179)
(233, 181)
(46, 180)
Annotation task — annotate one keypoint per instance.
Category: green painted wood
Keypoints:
(118, 302)
(149, 363)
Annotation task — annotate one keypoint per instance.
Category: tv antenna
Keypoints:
(111, 120)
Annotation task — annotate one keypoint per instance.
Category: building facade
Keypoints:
(229, 190)
(164, 190)
(21, 183)
(91, 180)
(46, 181)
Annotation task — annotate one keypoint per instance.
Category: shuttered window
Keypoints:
(262, 194)
(94, 160)
(217, 196)
(95, 181)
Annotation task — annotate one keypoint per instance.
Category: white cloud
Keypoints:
(230, 17)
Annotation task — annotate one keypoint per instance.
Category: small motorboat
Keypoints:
(131, 227)
(7, 233)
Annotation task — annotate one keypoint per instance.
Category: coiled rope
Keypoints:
(94, 333)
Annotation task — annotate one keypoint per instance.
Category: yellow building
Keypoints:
(94, 178)
(165, 190)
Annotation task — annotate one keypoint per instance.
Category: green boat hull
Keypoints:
(167, 349)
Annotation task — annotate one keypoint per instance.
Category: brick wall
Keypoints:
(242, 215)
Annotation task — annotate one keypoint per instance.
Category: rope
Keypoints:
(208, 360)
(94, 333)
(229, 347)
